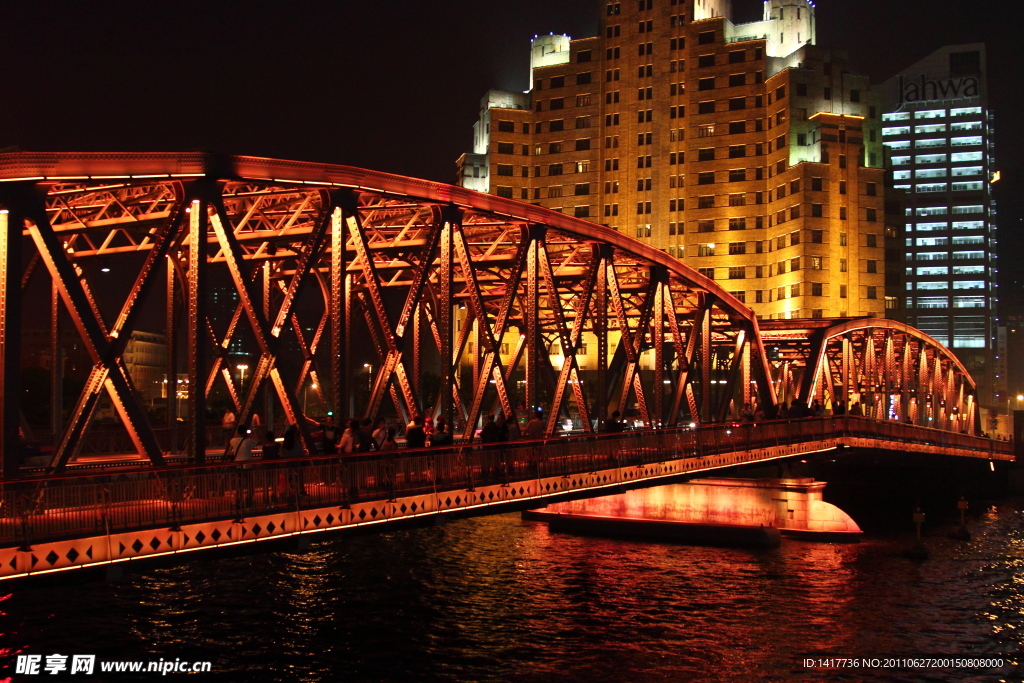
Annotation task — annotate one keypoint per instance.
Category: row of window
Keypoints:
(937, 227)
(923, 188)
(942, 210)
(944, 302)
(943, 241)
(932, 128)
(557, 103)
(788, 292)
(931, 114)
(945, 270)
(957, 172)
(945, 255)
(938, 286)
(903, 160)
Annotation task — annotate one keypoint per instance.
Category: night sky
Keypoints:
(392, 85)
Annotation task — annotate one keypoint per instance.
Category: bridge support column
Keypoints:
(197, 232)
(171, 378)
(601, 330)
(530, 313)
(57, 374)
(339, 320)
(11, 222)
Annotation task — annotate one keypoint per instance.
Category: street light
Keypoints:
(242, 368)
(305, 398)
(369, 376)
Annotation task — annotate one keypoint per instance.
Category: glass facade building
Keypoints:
(937, 132)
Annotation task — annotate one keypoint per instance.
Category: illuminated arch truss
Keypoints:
(464, 303)
(893, 370)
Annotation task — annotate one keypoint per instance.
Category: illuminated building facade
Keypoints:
(937, 130)
(743, 149)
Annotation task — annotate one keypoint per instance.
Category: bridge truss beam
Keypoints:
(454, 303)
(449, 303)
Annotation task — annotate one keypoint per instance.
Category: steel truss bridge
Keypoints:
(417, 298)
(463, 304)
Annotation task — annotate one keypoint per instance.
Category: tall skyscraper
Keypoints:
(743, 149)
(937, 130)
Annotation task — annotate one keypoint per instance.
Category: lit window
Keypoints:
(968, 302)
(965, 141)
(965, 156)
(932, 302)
(969, 186)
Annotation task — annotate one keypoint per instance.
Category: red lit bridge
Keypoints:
(185, 282)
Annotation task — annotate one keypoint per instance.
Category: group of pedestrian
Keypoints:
(240, 450)
(422, 432)
(500, 429)
(799, 409)
(362, 436)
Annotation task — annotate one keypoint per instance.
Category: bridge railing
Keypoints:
(51, 508)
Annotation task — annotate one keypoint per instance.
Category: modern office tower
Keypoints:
(937, 130)
(743, 149)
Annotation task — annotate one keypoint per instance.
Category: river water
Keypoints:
(499, 599)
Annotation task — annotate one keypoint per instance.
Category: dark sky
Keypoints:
(388, 84)
(392, 85)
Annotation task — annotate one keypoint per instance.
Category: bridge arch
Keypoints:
(892, 370)
(442, 300)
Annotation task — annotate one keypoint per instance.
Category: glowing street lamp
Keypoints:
(242, 368)
(305, 398)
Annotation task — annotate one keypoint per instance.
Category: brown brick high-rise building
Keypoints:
(742, 149)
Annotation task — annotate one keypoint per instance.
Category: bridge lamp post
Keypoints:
(305, 398)
(241, 369)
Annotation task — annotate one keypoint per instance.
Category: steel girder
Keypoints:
(893, 370)
(507, 307)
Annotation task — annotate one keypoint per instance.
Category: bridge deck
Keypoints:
(58, 523)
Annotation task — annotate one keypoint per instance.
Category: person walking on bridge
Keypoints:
(491, 432)
(613, 425)
(441, 435)
(535, 427)
(415, 437)
(240, 450)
